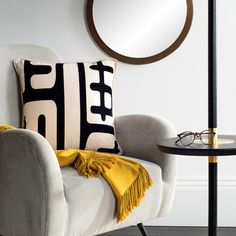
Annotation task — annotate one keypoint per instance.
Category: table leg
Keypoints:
(212, 204)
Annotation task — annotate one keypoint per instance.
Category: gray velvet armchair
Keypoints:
(38, 198)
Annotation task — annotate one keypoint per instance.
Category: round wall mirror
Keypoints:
(139, 31)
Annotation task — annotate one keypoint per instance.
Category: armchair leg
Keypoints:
(142, 229)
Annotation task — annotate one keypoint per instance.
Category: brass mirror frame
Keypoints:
(139, 60)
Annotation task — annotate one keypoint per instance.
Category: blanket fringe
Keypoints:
(133, 195)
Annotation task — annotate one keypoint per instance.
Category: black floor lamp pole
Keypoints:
(212, 115)
(212, 76)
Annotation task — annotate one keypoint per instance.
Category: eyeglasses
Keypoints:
(188, 137)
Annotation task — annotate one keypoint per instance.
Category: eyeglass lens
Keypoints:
(187, 138)
(206, 137)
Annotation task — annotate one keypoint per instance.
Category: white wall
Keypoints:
(175, 87)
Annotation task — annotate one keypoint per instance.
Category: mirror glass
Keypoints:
(139, 28)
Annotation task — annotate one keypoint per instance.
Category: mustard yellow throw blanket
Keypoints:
(128, 179)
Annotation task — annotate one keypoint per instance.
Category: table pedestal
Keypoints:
(212, 198)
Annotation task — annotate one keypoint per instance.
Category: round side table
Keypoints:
(226, 145)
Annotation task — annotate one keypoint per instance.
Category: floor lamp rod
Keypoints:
(212, 117)
(212, 66)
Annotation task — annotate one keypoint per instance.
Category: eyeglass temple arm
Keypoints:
(179, 135)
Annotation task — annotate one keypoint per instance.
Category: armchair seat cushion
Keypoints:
(91, 203)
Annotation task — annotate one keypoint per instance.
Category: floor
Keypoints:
(171, 231)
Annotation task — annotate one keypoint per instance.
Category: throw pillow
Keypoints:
(70, 104)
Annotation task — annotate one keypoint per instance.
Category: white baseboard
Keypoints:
(190, 206)
(203, 182)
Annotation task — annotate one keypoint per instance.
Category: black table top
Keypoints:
(226, 146)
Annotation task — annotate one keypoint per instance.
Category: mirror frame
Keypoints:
(139, 60)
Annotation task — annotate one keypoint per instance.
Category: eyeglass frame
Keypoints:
(195, 134)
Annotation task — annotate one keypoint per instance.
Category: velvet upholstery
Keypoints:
(80, 195)
(32, 200)
(138, 135)
(38, 198)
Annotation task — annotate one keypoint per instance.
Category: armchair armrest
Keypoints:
(138, 136)
(32, 200)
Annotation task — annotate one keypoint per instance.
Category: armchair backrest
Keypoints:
(9, 86)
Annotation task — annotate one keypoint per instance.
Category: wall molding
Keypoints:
(190, 206)
(199, 181)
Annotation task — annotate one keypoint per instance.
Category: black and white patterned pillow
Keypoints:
(70, 104)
